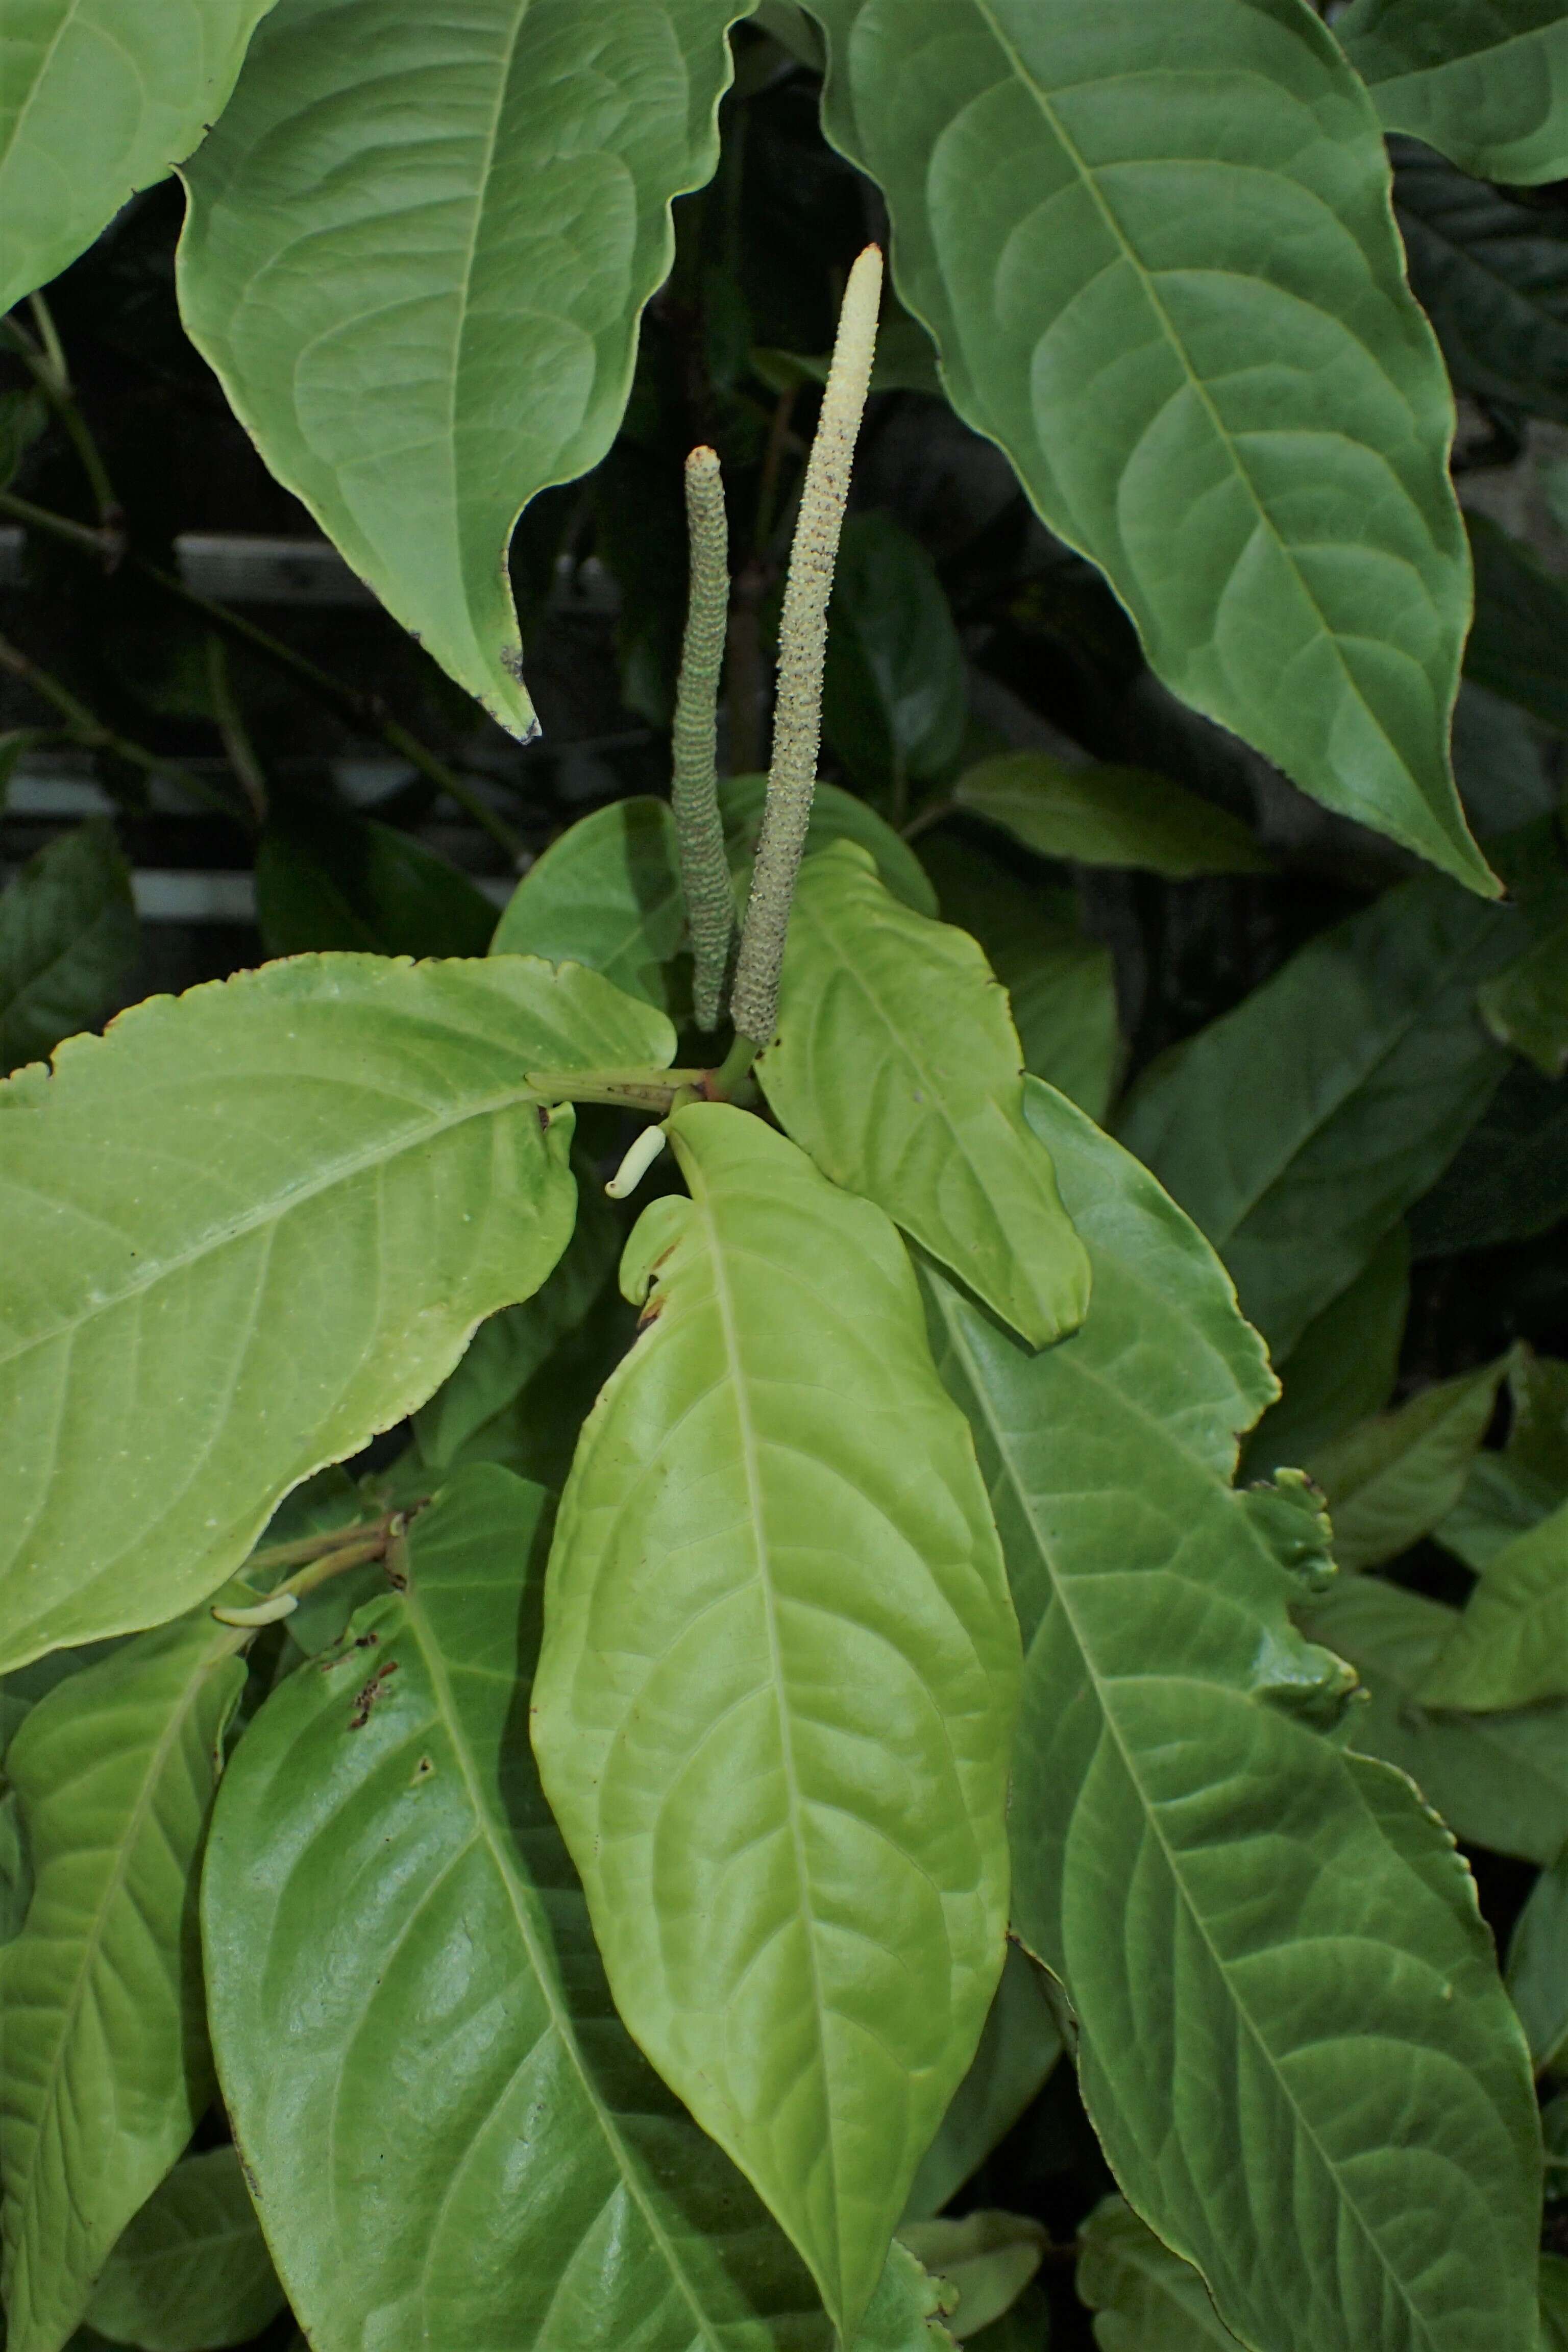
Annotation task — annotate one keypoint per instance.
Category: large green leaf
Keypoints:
(1293, 2041)
(1486, 80)
(1297, 1128)
(1343, 1368)
(1017, 2050)
(607, 893)
(98, 97)
(1154, 247)
(1498, 1781)
(775, 1701)
(894, 703)
(897, 1068)
(248, 1229)
(1538, 1966)
(1145, 2297)
(418, 250)
(1107, 816)
(1388, 1481)
(104, 2067)
(192, 2272)
(402, 1970)
(1510, 1646)
(68, 939)
(1492, 275)
(327, 879)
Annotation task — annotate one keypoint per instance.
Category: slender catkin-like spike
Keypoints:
(802, 646)
(704, 868)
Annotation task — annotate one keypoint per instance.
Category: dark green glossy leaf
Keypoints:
(777, 1611)
(1509, 1180)
(1146, 2298)
(987, 2260)
(1498, 1781)
(894, 702)
(248, 1229)
(1342, 1366)
(1520, 627)
(1297, 1129)
(192, 2272)
(1538, 1966)
(104, 2067)
(1293, 2042)
(1493, 277)
(1017, 2050)
(897, 1068)
(401, 1966)
(1510, 1646)
(422, 331)
(1107, 816)
(331, 879)
(1486, 80)
(835, 816)
(607, 893)
(1390, 1480)
(68, 940)
(1156, 254)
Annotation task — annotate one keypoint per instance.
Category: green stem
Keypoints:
(934, 812)
(700, 832)
(52, 376)
(733, 1070)
(90, 732)
(236, 742)
(308, 1548)
(653, 1090)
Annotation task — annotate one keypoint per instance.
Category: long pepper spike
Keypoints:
(700, 834)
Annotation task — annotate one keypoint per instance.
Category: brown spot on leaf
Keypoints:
(366, 1699)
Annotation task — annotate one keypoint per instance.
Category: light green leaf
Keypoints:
(192, 2272)
(1389, 1481)
(895, 703)
(1485, 80)
(1146, 2298)
(1493, 277)
(1515, 648)
(104, 2067)
(1510, 1646)
(418, 251)
(835, 815)
(1297, 1128)
(99, 98)
(607, 893)
(1060, 984)
(1107, 816)
(1343, 1368)
(248, 1229)
(1498, 1781)
(1538, 1966)
(401, 1887)
(897, 1068)
(1161, 273)
(987, 2259)
(327, 879)
(1273, 1952)
(775, 1701)
(1017, 2050)
(1553, 2303)
(1527, 1006)
(68, 940)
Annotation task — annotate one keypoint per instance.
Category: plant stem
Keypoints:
(653, 1090)
(803, 643)
(308, 1548)
(733, 1070)
(934, 812)
(91, 733)
(52, 376)
(700, 832)
(231, 725)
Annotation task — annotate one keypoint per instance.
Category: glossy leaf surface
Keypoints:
(1155, 251)
(987, 2259)
(1107, 816)
(773, 1706)
(1538, 1966)
(1492, 275)
(835, 815)
(418, 251)
(192, 2272)
(894, 703)
(1294, 2044)
(1390, 1480)
(99, 98)
(327, 879)
(1297, 1129)
(1510, 1648)
(104, 2068)
(384, 1876)
(1343, 1368)
(607, 893)
(1017, 2050)
(1485, 80)
(1143, 2295)
(205, 1212)
(68, 940)
(898, 1068)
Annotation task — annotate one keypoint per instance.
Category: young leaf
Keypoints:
(99, 98)
(835, 815)
(192, 2272)
(104, 2067)
(987, 2259)
(1485, 80)
(894, 700)
(1342, 1366)
(68, 939)
(248, 1229)
(1388, 1482)
(897, 1068)
(1297, 1129)
(327, 879)
(1515, 648)
(1538, 1968)
(1017, 2050)
(1275, 1957)
(1108, 816)
(416, 255)
(386, 1894)
(1498, 1781)
(607, 893)
(1510, 1646)
(783, 1775)
(1145, 2295)
(1493, 277)
(1162, 275)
